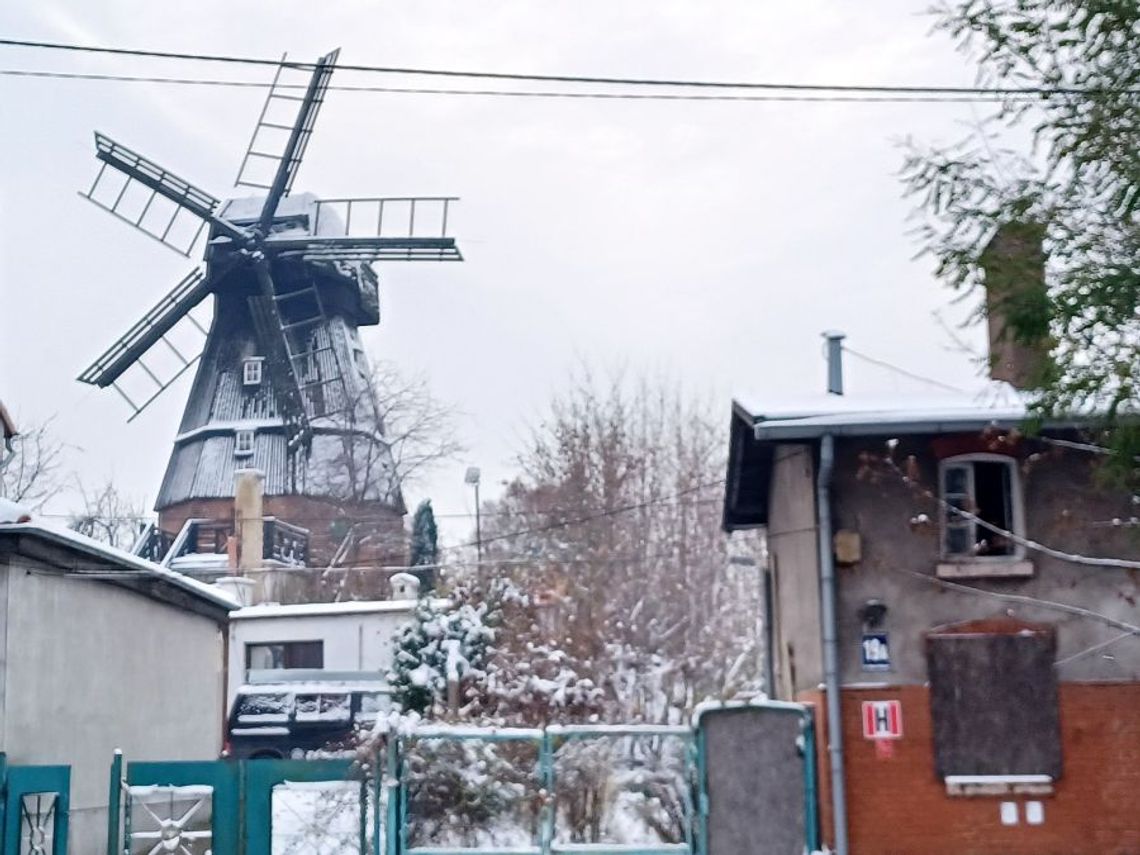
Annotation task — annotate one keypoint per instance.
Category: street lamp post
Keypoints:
(472, 478)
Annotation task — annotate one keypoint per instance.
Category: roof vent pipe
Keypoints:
(834, 362)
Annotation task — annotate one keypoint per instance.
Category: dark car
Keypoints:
(282, 720)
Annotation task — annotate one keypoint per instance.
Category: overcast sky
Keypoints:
(712, 241)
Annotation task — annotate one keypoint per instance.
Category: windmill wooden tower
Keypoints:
(282, 384)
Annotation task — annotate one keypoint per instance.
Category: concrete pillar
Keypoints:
(249, 518)
(405, 586)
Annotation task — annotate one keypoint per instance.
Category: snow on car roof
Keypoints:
(276, 610)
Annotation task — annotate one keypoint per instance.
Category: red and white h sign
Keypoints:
(882, 720)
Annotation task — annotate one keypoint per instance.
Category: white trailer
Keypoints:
(312, 637)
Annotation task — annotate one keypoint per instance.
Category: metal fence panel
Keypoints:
(758, 764)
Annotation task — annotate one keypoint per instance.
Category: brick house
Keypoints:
(1013, 662)
(957, 596)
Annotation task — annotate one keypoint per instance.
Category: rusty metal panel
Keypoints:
(993, 700)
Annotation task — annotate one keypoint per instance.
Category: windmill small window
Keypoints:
(243, 443)
(251, 371)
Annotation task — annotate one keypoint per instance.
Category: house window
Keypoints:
(986, 486)
(243, 443)
(994, 700)
(251, 371)
(275, 655)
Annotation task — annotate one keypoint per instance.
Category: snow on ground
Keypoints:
(318, 818)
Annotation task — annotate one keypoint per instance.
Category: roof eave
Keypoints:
(778, 430)
(138, 575)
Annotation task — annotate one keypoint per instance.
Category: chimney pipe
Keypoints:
(834, 361)
(249, 519)
(1017, 304)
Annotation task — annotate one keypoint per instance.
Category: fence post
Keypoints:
(114, 802)
(394, 832)
(3, 798)
(549, 810)
(811, 796)
(378, 845)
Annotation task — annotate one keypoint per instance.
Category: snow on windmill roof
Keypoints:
(247, 209)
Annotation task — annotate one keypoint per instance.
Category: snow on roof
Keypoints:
(995, 403)
(117, 559)
(11, 512)
(275, 610)
(248, 209)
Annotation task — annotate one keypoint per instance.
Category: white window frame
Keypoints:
(243, 442)
(1017, 513)
(252, 371)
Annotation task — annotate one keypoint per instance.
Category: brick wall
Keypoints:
(380, 529)
(896, 805)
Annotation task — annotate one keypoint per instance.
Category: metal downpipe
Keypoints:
(829, 635)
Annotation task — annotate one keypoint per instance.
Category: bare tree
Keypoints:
(613, 530)
(421, 431)
(108, 516)
(31, 475)
(396, 431)
(393, 433)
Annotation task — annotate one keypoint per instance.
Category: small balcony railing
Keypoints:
(282, 542)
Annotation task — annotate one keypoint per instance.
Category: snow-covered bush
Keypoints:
(471, 792)
(623, 790)
(443, 643)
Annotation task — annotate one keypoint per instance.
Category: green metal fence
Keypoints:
(382, 805)
(34, 804)
(546, 743)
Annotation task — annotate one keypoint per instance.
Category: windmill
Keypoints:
(280, 365)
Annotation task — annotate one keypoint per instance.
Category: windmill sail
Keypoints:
(381, 228)
(123, 192)
(154, 328)
(290, 278)
(283, 111)
(299, 136)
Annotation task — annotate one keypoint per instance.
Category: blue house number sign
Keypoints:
(876, 652)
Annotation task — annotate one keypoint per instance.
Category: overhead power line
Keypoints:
(561, 78)
(882, 363)
(621, 509)
(519, 93)
(440, 515)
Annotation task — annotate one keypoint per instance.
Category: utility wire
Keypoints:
(891, 367)
(559, 78)
(1067, 557)
(508, 93)
(454, 515)
(1095, 647)
(1053, 605)
(585, 519)
(577, 520)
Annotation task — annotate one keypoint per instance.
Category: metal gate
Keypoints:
(563, 761)
(226, 807)
(454, 790)
(34, 809)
